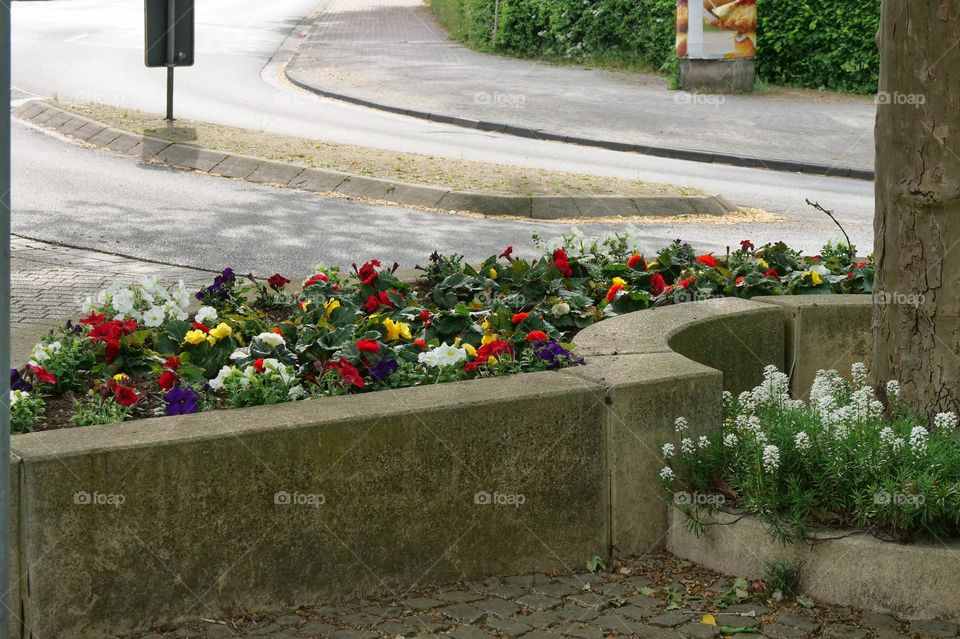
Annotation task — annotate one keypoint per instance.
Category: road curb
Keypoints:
(691, 155)
(295, 176)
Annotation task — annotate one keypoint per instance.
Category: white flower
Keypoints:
(271, 339)
(666, 473)
(680, 425)
(945, 421)
(17, 395)
(761, 438)
(43, 352)
(686, 445)
(918, 438)
(560, 309)
(240, 353)
(859, 373)
(886, 435)
(175, 311)
(893, 389)
(206, 314)
(87, 307)
(730, 440)
(771, 458)
(668, 450)
(443, 355)
(217, 382)
(897, 443)
(122, 301)
(154, 317)
(181, 295)
(703, 442)
(802, 441)
(296, 392)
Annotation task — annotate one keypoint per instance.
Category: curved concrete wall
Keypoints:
(126, 525)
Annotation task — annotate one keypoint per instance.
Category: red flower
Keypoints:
(376, 301)
(277, 281)
(773, 273)
(43, 375)
(167, 380)
(316, 279)
(368, 346)
(426, 317)
(258, 365)
(112, 350)
(124, 395)
(739, 280)
(562, 262)
(94, 319)
(708, 260)
(347, 371)
(113, 330)
(746, 245)
(368, 271)
(519, 317)
(200, 326)
(657, 284)
(172, 363)
(507, 253)
(612, 293)
(537, 336)
(850, 275)
(336, 288)
(686, 283)
(422, 344)
(635, 259)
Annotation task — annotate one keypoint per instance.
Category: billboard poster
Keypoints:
(716, 29)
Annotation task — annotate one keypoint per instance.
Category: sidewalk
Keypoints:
(394, 53)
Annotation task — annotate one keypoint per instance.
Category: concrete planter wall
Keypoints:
(122, 526)
(915, 581)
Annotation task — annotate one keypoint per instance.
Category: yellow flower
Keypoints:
(330, 306)
(222, 330)
(396, 330)
(620, 281)
(491, 360)
(471, 351)
(487, 338)
(211, 340)
(493, 274)
(195, 337)
(762, 263)
(815, 278)
(485, 325)
(120, 378)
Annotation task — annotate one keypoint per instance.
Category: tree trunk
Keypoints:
(916, 318)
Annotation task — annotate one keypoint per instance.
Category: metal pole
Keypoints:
(171, 53)
(5, 581)
(496, 22)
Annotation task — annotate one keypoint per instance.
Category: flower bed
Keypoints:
(845, 460)
(141, 352)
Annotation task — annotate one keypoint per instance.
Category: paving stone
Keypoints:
(590, 600)
(578, 631)
(877, 620)
(459, 596)
(615, 623)
(890, 633)
(396, 629)
(573, 612)
(555, 590)
(275, 173)
(188, 633)
(283, 634)
(644, 601)
(540, 634)
(539, 602)
(236, 166)
(218, 631)
(633, 612)
(540, 619)
(673, 618)
(509, 627)
(469, 632)
(736, 621)
(316, 629)
(506, 591)
(781, 631)
(655, 632)
(189, 157)
(328, 611)
(361, 619)
(844, 631)
(430, 624)
(263, 629)
(697, 630)
(288, 620)
(354, 634)
(524, 581)
(464, 613)
(422, 603)
(317, 180)
(802, 622)
(105, 137)
(757, 609)
(934, 628)
(497, 607)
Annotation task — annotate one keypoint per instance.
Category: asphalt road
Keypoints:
(93, 50)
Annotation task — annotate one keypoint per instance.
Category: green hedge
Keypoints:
(809, 43)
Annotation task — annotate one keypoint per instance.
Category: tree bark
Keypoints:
(916, 319)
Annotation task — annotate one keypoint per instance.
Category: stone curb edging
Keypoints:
(690, 155)
(258, 170)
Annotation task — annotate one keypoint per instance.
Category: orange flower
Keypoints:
(612, 293)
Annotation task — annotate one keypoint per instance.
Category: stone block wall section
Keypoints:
(258, 170)
(351, 496)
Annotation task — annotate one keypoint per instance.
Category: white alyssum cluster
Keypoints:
(802, 441)
(680, 425)
(666, 473)
(918, 438)
(443, 355)
(686, 445)
(730, 440)
(771, 458)
(668, 451)
(945, 421)
(893, 389)
(146, 301)
(858, 373)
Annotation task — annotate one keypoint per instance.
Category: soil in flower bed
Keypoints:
(146, 350)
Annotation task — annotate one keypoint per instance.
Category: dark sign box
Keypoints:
(156, 17)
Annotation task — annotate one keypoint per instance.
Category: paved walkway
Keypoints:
(394, 52)
(652, 597)
(49, 282)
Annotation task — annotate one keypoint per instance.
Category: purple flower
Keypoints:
(181, 401)
(554, 354)
(227, 276)
(17, 382)
(383, 369)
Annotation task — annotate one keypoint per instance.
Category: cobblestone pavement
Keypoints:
(49, 282)
(652, 597)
